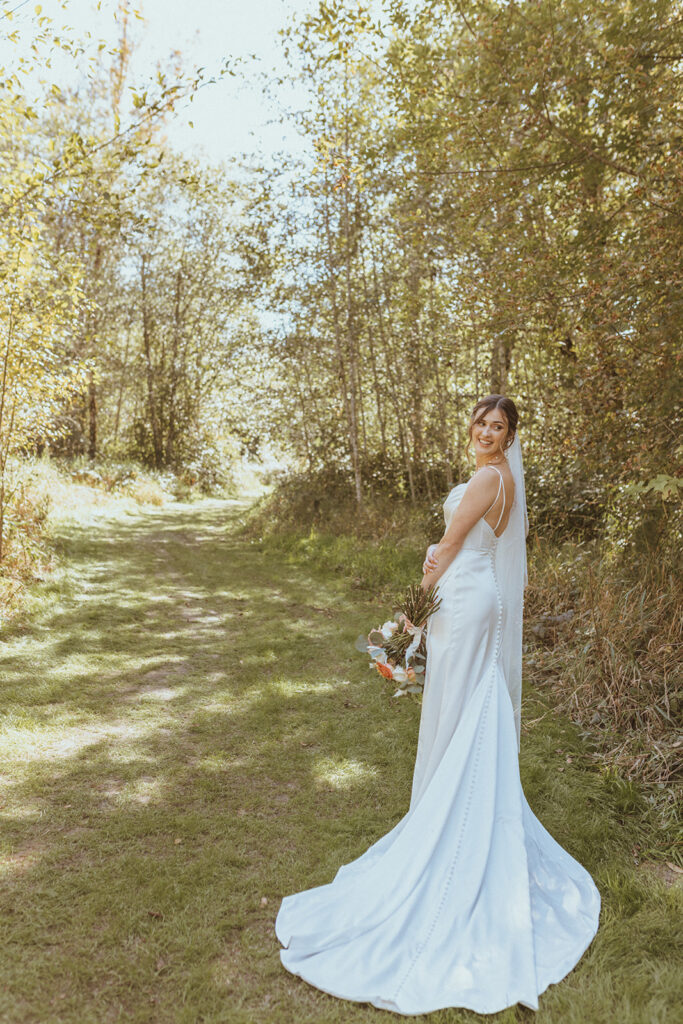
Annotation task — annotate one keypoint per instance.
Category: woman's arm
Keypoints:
(479, 495)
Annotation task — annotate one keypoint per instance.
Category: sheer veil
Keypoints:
(511, 571)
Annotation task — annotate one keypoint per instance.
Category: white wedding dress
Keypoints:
(468, 901)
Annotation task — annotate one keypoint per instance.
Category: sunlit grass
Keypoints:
(189, 734)
(343, 774)
(290, 687)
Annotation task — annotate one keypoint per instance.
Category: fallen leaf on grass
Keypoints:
(156, 914)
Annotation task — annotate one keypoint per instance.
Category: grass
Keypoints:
(188, 735)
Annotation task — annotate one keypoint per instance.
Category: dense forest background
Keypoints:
(489, 200)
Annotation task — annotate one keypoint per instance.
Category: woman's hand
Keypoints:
(430, 563)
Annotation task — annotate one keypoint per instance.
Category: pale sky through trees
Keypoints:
(233, 116)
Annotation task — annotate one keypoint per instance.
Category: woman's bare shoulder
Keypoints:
(482, 485)
(495, 473)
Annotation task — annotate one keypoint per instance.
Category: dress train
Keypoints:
(468, 901)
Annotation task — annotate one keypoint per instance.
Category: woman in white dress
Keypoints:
(467, 901)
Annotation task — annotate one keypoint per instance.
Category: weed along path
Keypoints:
(187, 735)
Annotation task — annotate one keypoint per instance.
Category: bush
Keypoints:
(325, 501)
(201, 460)
(26, 555)
(644, 521)
(146, 491)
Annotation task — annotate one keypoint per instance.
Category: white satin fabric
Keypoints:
(468, 901)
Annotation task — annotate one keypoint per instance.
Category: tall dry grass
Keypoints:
(607, 640)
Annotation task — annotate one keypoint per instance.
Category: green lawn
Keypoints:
(188, 735)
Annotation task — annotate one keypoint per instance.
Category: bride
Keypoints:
(467, 901)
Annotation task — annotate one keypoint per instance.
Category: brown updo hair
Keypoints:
(488, 404)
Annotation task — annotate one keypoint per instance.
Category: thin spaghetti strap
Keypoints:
(502, 508)
(500, 484)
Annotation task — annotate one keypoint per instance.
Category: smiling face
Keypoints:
(489, 432)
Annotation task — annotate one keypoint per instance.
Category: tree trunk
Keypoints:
(92, 416)
(501, 356)
(373, 360)
(350, 333)
(390, 342)
(349, 405)
(173, 371)
(441, 394)
(151, 390)
(119, 398)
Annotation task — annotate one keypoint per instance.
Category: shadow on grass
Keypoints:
(189, 735)
(179, 746)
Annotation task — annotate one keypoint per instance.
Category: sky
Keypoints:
(233, 116)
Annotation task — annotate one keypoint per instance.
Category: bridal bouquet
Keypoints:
(398, 648)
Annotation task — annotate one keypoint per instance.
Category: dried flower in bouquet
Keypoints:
(398, 648)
